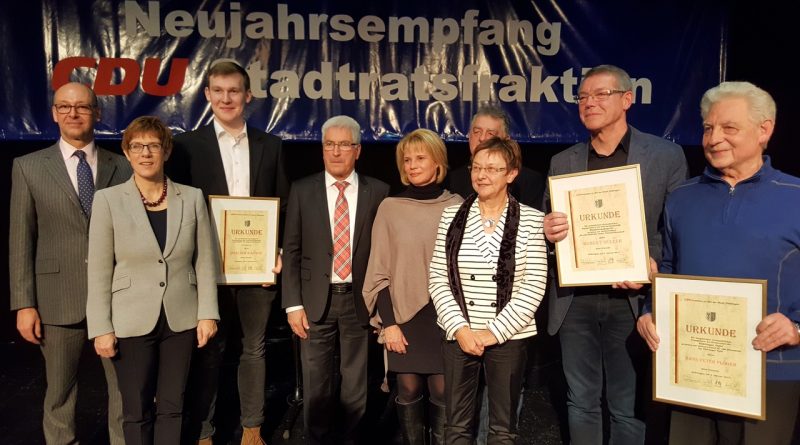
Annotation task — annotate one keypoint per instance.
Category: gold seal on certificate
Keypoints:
(243, 248)
(246, 230)
(600, 228)
(704, 359)
(607, 240)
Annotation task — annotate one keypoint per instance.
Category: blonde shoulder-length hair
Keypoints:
(428, 142)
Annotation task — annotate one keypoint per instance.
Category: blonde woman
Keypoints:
(396, 284)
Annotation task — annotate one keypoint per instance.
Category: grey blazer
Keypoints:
(130, 278)
(49, 234)
(663, 167)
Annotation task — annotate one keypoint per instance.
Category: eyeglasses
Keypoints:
(138, 148)
(491, 171)
(80, 109)
(343, 146)
(598, 96)
(480, 132)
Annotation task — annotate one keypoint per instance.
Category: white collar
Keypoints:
(219, 130)
(68, 150)
(352, 179)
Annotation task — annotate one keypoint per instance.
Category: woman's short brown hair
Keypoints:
(148, 125)
(427, 141)
(507, 148)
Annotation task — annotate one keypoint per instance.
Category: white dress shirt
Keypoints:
(235, 152)
(71, 161)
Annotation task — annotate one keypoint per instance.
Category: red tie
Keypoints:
(341, 234)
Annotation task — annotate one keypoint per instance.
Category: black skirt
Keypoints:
(424, 351)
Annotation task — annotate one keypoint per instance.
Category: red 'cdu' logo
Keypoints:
(129, 76)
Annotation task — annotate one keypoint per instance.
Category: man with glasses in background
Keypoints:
(490, 121)
(325, 252)
(51, 202)
(597, 324)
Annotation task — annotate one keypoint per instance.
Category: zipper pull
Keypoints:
(731, 190)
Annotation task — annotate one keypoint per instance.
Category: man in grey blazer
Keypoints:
(596, 324)
(51, 196)
(325, 253)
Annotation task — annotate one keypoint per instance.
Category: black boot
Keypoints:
(436, 423)
(412, 421)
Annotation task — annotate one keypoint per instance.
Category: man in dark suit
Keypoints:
(596, 324)
(228, 157)
(325, 249)
(51, 200)
(490, 121)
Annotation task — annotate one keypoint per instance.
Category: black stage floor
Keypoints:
(22, 391)
(22, 383)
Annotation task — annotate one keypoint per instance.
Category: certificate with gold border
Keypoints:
(246, 231)
(705, 359)
(607, 239)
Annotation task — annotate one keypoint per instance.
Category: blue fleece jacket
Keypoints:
(751, 230)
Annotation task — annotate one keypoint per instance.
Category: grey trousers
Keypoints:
(61, 347)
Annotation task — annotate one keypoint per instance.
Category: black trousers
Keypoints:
(253, 305)
(151, 368)
(504, 366)
(317, 353)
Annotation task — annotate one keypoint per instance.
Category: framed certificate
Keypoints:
(246, 231)
(607, 239)
(705, 359)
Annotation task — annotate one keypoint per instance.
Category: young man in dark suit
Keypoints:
(228, 157)
(325, 250)
(51, 203)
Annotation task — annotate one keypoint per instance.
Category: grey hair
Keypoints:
(492, 111)
(343, 121)
(621, 76)
(762, 105)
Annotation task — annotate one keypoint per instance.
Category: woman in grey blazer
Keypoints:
(487, 278)
(152, 284)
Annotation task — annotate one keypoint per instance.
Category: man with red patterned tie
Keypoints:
(325, 252)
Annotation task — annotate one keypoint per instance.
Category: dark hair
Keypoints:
(507, 148)
(148, 125)
(226, 69)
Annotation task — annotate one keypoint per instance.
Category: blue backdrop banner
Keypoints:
(393, 65)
